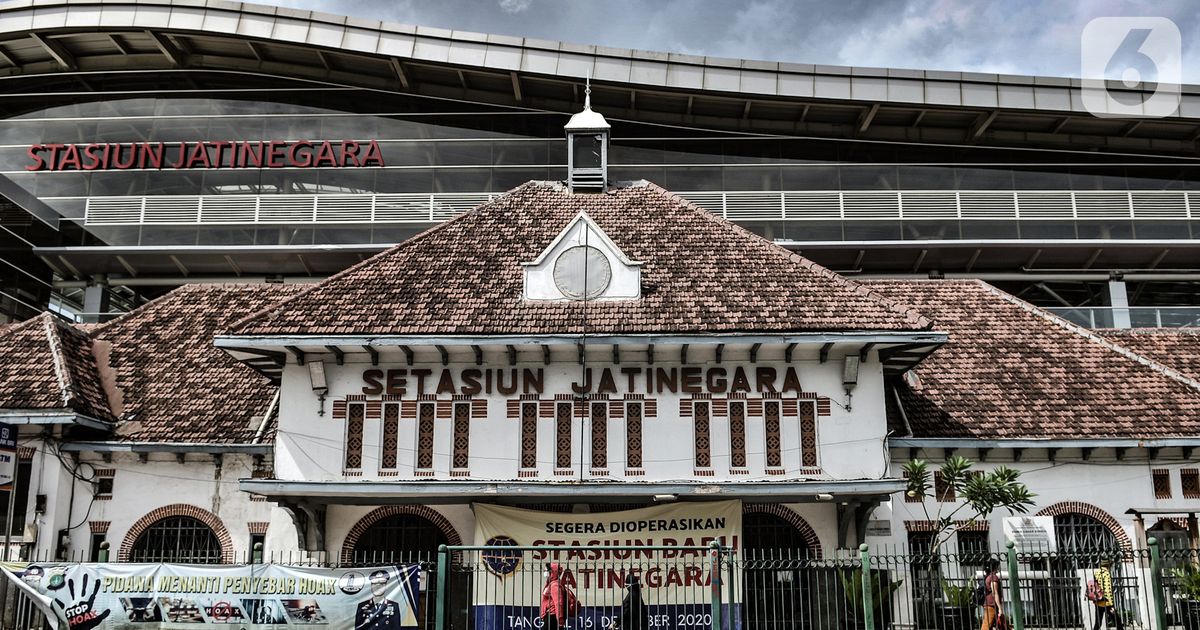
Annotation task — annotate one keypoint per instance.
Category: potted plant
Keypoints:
(1187, 592)
(882, 590)
(957, 606)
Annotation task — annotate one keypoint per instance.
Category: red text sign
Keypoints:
(205, 154)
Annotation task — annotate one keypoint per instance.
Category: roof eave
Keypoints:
(53, 416)
(375, 492)
(1027, 443)
(168, 447)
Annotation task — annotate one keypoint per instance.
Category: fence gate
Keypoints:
(503, 587)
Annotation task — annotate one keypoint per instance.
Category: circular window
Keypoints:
(582, 272)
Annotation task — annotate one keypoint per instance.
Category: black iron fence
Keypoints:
(712, 588)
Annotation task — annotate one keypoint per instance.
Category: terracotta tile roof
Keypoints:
(1011, 370)
(700, 274)
(1178, 348)
(47, 364)
(176, 386)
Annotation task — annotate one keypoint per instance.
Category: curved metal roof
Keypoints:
(40, 39)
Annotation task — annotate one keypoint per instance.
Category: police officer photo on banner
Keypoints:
(379, 612)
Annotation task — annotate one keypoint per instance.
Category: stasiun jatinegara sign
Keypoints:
(204, 154)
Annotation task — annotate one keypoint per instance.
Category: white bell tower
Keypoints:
(587, 148)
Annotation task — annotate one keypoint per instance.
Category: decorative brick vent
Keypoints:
(179, 509)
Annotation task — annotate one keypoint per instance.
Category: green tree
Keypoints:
(977, 495)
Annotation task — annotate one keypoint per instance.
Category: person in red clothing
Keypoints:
(558, 602)
(993, 604)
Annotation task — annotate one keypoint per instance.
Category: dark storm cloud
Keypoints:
(1018, 36)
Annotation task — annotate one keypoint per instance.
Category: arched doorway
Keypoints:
(781, 581)
(398, 533)
(399, 538)
(178, 539)
(1083, 542)
(405, 534)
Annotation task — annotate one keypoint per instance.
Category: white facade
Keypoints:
(312, 447)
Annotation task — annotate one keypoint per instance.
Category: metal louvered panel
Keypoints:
(447, 206)
(171, 210)
(286, 208)
(802, 205)
(871, 205)
(1045, 204)
(344, 208)
(932, 204)
(1159, 204)
(987, 204)
(1102, 205)
(402, 208)
(753, 205)
(806, 204)
(229, 209)
(113, 211)
(714, 202)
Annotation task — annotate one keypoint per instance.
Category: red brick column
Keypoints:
(178, 509)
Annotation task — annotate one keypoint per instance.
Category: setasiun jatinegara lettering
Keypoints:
(204, 154)
(507, 381)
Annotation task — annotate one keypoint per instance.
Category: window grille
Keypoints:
(1161, 479)
(737, 434)
(808, 435)
(633, 435)
(529, 417)
(354, 436)
(702, 435)
(943, 490)
(1189, 479)
(599, 435)
(391, 435)
(774, 434)
(425, 419)
(180, 539)
(562, 433)
(462, 435)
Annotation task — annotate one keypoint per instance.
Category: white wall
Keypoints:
(310, 446)
(1103, 481)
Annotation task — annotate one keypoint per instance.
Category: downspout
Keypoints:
(262, 427)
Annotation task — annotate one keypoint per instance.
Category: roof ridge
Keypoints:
(1072, 327)
(235, 326)
(911, 314)
(61, 373)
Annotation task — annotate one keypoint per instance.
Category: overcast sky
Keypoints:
(1014, 36)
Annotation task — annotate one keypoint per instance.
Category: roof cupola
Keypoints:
(587, 148)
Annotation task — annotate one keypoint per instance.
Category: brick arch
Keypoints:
(1087, 509)
(378, 514)
(795, 520)
(178, 509)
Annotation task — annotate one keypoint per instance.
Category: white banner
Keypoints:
(89, 596)
(676, 584)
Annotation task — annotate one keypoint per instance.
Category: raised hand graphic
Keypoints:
(81, 614)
